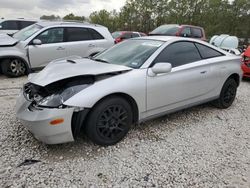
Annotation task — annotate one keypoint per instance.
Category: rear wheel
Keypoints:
(13, 67)
(227, 95)
(109, 121)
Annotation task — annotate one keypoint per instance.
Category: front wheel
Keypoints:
(109, 121)
(227, 95)
(13, 67)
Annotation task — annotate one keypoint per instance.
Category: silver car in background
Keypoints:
(134, 81)
(35, 46)
(11, 26)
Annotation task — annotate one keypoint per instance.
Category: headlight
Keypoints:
(59, 98)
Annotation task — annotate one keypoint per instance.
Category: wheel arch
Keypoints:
(80, 118)
(17, 57)
(236, 77)
(128, 98)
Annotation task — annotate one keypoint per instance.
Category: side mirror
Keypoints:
(160, 68)
(36, 42)
(1, 27)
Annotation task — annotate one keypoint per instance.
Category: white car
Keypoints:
(134, 81)
(35, 46)
(11, 26)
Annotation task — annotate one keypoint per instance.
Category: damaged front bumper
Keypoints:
(38, 122)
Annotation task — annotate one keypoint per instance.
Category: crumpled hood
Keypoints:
(62, 69)
(6, 40)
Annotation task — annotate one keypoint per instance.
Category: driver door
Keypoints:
(188, 82)
(52, 47)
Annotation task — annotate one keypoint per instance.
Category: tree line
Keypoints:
(215, 16)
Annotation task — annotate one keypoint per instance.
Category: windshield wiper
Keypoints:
(101, 60)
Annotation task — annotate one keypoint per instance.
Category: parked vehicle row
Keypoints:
(35, 46)
(131, 82)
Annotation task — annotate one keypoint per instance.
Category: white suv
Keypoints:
(11, 26)
(35, 46)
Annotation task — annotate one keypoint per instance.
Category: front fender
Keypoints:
(132, 83)
(9, 52)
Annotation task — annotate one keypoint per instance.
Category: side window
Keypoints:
(54, 35)
(24, 24)
(78, 34)
(179, 53)
(207, 52)
(197, 33)
(126, 36)
(186, 32)
(10, 25)
(135, 35)
(95, 35)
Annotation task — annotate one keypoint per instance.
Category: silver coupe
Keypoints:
(134, 81)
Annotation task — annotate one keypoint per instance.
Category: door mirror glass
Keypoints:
(161, 68)
(36, 42)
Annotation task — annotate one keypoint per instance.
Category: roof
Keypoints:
(162, 38)
(60, 23)
(19, 19)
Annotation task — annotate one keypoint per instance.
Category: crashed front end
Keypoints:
(42, 111)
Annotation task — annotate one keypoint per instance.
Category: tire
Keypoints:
(109, 121)
(227, 95)
(13, 67)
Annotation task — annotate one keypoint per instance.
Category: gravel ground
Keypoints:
(199, 147)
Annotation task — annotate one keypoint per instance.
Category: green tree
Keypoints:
(72, 17)
(50, 17)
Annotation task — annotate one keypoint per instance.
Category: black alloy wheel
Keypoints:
(227, 95)
(109, 121)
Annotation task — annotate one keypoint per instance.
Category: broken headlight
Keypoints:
(57, 99)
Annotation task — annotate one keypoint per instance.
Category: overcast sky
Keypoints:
(37, 8)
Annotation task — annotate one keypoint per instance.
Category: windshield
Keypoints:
(166, 30)
(27, 32)
(116, 34)
(131, 53)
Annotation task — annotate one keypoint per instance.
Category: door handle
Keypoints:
(60, 48)
(91, 45)
(203, 72)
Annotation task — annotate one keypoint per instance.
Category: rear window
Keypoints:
(166, 30)
(78, 34)
(207, 52)
(197, 33)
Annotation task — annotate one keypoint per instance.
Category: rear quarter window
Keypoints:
(95, 35)
(207, 52)
(24, 24)
(78, 34)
